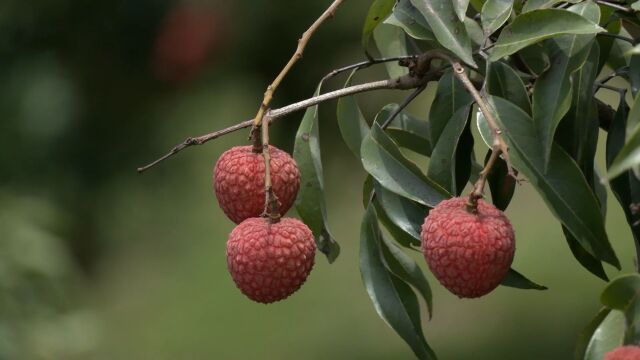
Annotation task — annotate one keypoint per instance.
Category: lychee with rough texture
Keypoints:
(270, 261)
(239, 181)
(629, 352)
(469, 253)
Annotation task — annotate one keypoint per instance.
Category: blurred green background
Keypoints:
(98, 262)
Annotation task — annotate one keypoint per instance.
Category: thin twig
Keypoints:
(302, 43)
(365, 64)
(621, 71)
(614, 5)
(619, 37)
(403, 105)
(271, 206)
(609, 87)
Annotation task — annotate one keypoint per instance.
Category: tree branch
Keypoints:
(302, 43)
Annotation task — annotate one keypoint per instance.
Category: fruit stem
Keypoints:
(256, 139)
(478, 188)
(271, 203)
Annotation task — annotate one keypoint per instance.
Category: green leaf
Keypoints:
(629, 155)
(535, 58)
(408, 131)
(382, 158)
(634, 72)
(636, 5)
(501, 185)
(378, 11)
(504, 82)
(406, 16)
(460, 7)
(447, 27)
(393, 300)
(405, 214)
(552, 92)
(351, 122)
(542, 4)
(404, 267)
(516, 280)
(474, 31)
(607, 336)
(585, 259)
(562, 186)
(606, 42)
(310, 202)
(494, 14)
(537, 25)
(442, 167)
(451, 95)
(623, 293)
(390, 41)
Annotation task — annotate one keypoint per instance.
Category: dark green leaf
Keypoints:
(442, 167)
(585, 259)
(562, 186)
(406, 16)
(634, 73)
(475, 32)
(516, 280)
(393, 300)
(606, 336)
(542, 4)
(606, 42)
(464, 159)
(404, 267)
(501, 184)
(623, 293)
(450, 96)
(310, 202)
(408, 131)
(504, 82)
(382, 158)
(352, 124)
(405, 214)
(447, 27)
(494, 14)
(378, 11)
(537, 25)
(390, 41)
(629, 155)
(552, 92)
(535, 58)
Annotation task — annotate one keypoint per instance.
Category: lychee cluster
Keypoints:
(469, 252)
(268, 258)
(629, 352)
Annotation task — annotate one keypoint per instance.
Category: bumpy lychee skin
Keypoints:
(268, 262)
(629, 352)
(239, 181)
(470, 254)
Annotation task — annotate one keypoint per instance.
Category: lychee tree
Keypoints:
(528, 75)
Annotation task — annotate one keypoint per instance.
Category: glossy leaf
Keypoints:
(542, 4)
(516, 280)
(494, 14)
(629, 155)
(310, 202)
(442, 167)
(501, 185)
(537, 25)
(406, 16)
(607, 336)
(407, 215)
(390, 41)
(351, 122)
(447, 27)
(387, 292)
(553, 92)
(460, 7)
(562, 186)
(450, 96)
(378, 11)
(535, 58)
(504, 82)
(585, 259)
(382, 159)
(404, 267)
(623, 293)
(406, 130)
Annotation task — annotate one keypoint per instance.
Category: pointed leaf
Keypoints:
(494, 14)
(460, 7)
(501, 184)
(504, 82)
(562, 186)
(405, 214)
(450, 96)
(585, 259)
(535, 58)
(351, 122)
(382, 158)
(310, 202)
(390, 41)
(537, 25)
(516, 280)
(408, 131)
(386, 292)
(447, 27)
(406, 16)
(378, 11)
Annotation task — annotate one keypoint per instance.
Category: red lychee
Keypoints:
(239, 181)
(629, 352)
(470, 254)
(268, 262)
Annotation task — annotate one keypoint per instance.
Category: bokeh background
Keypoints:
(98, 262)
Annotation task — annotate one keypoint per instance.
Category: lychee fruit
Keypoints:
(239, 181)
(629, 352)
(469, 253)
(270, 261)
